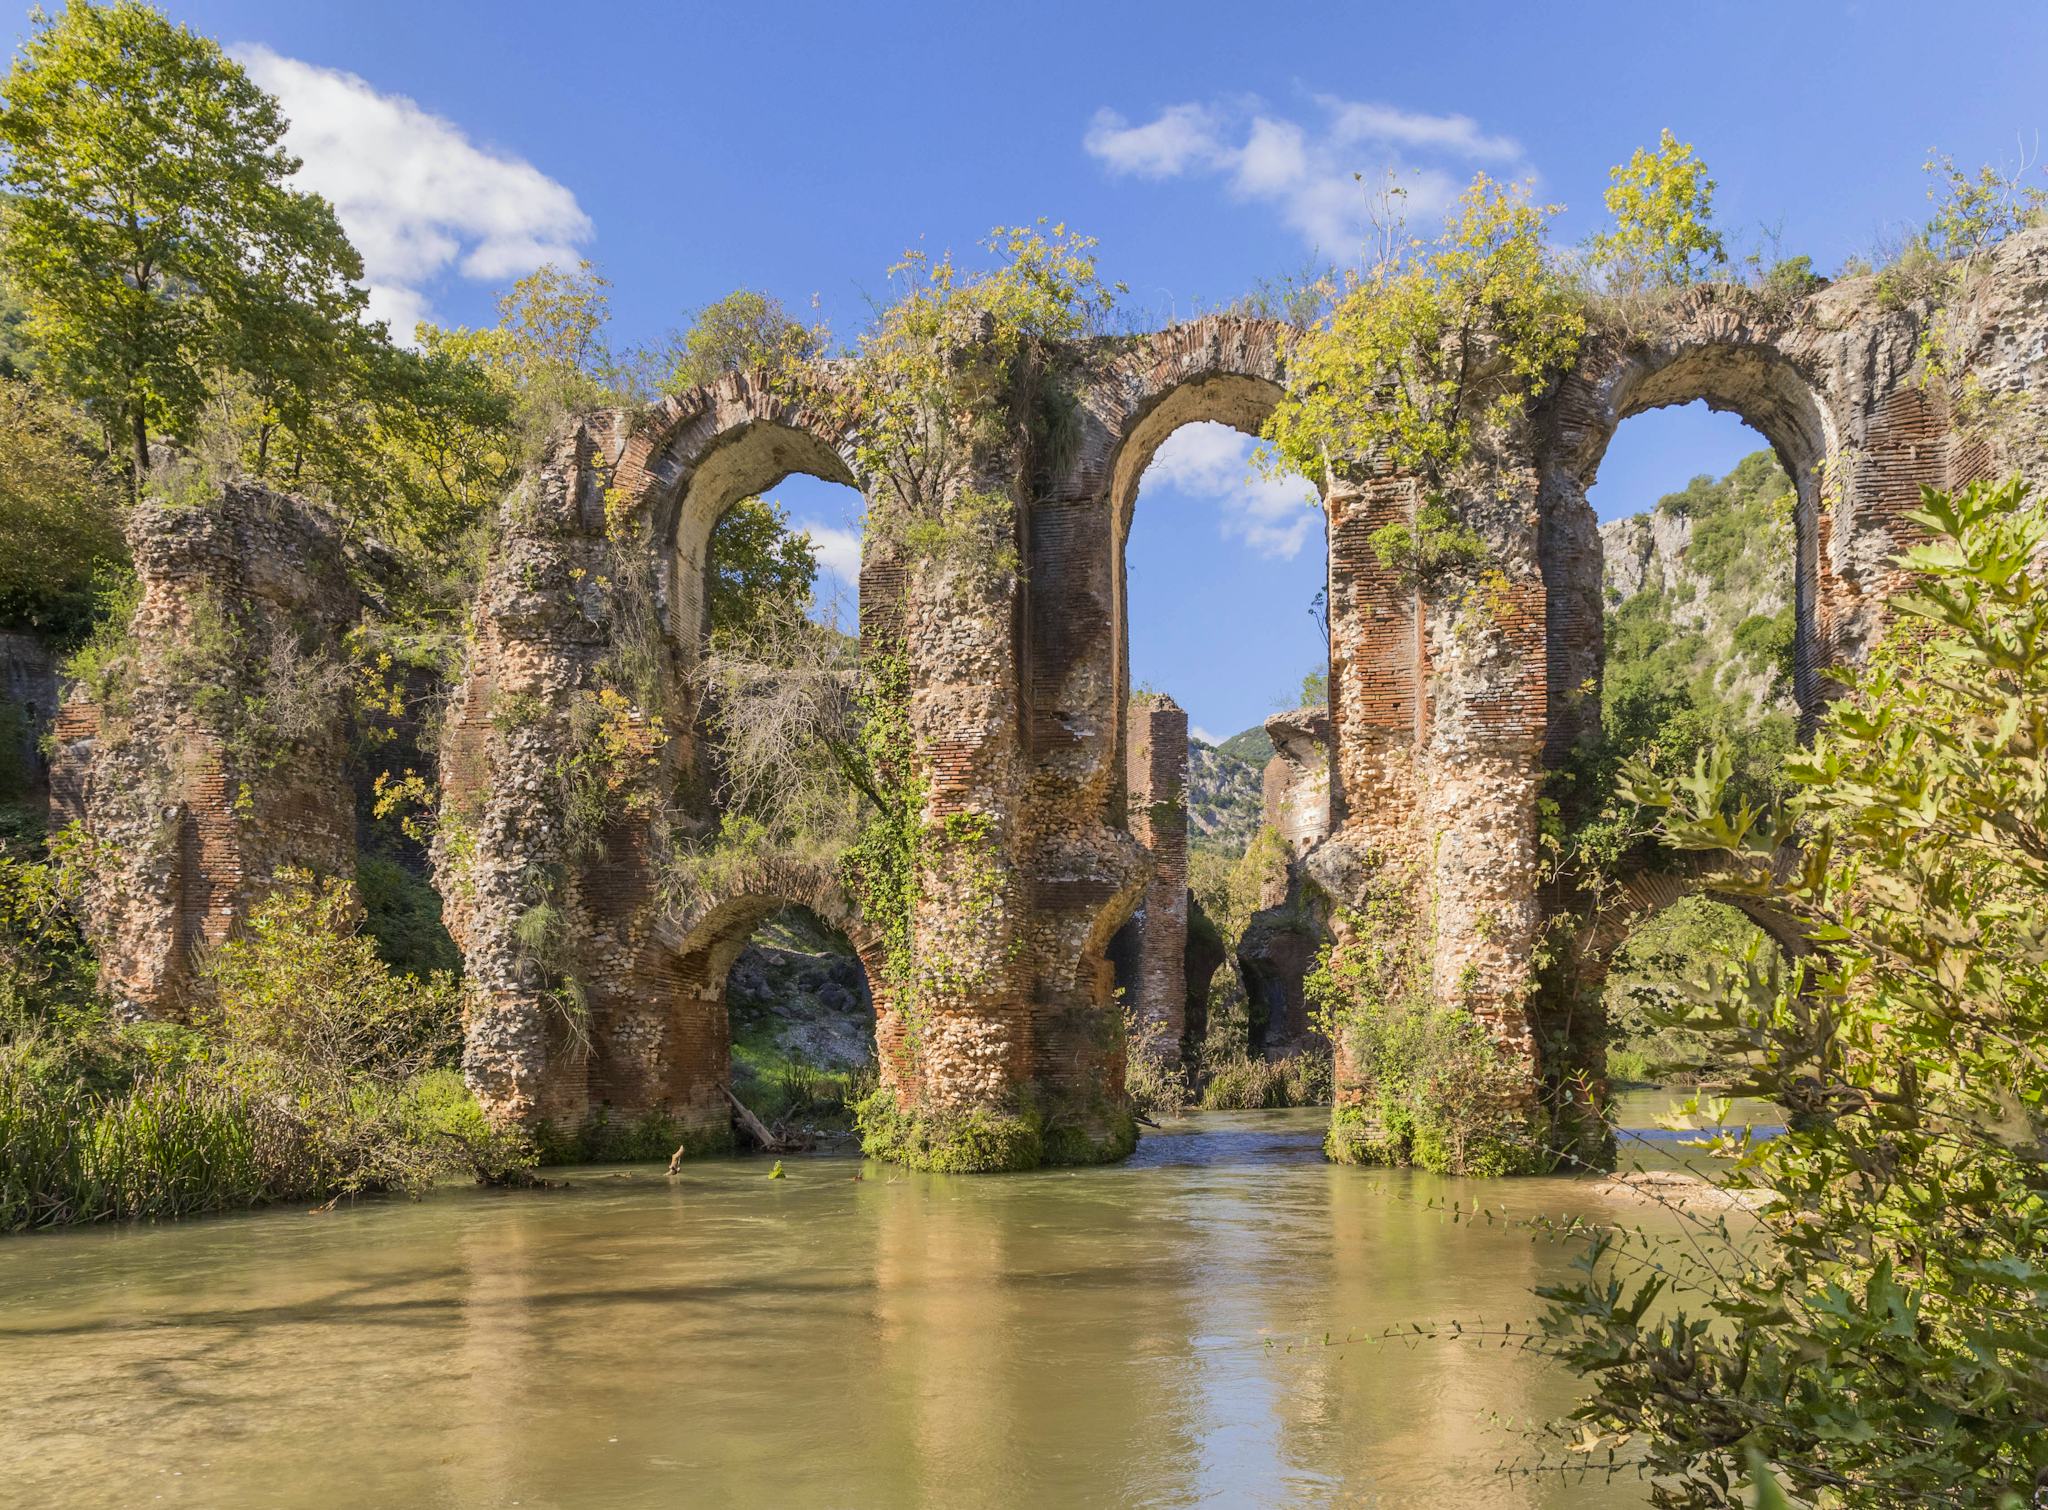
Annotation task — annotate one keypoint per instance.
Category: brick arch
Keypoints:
(1642, 894)
(1217, 370)
(719, 923)
(1717, 344)
(669, 1047)
(698, 452)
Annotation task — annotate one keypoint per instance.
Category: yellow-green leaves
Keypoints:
(1663, 208)
(1972, 211)
(1449, 342)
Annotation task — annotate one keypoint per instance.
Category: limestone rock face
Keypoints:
(214, 754)
(1642, 550)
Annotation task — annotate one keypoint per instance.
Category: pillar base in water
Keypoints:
(989, 1142)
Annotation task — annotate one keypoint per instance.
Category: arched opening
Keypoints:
(764, 1001)
(1650, 971)
(1700, 593)
(750, 461)
(801, 1028)
(1721, 457)
(1220, 579)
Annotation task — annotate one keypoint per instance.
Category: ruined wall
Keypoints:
(1450, 704)
(1156, 772)
(213, 754)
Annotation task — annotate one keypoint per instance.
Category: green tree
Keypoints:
(152, 232)
(744, 331)
(1663, 208)
(756, 559)
(59, 514)
(1437, 347)
(1878, 1339)
(1973, 211)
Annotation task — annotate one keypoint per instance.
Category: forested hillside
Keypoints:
(1699, 649)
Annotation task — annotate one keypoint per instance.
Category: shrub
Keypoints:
(1877, 1338)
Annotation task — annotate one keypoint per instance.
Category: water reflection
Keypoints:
(1153, 1334)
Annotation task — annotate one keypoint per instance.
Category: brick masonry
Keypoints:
(1447, 709)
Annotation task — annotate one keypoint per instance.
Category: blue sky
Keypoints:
(799, 148)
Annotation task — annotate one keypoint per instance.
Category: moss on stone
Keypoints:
(983, 1142)
(973, 1142)
(602, 1140)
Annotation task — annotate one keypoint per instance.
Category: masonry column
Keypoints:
(211, 754)
(1156, 774)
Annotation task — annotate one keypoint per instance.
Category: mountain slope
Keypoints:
(1226, 800)
(1699, 592)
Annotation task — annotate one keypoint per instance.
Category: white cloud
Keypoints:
(1272, 515)
(1310, 172)
(415, 195)
(1196, 731)
(838, 550)
(1182, 137)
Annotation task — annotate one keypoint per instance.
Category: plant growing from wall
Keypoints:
(1434, 349)
(1426, 1085)
(1662, 202)
(958, 372)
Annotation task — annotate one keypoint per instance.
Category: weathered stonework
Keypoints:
(188, 806)
(1449, 707)
(1153, 945)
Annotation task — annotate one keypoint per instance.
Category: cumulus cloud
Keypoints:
(1183, 136)
(1196, 731)
(838, 550)
(1305, 169)
(1272, 515)
(417, 197)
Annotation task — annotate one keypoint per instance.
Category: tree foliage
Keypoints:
(743, 332)
(1437, 347)
(1878, 1339)
(59, 515)
(756, 563)
(1662, 202)
(152, 232)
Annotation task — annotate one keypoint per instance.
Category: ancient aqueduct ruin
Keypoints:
(1426, 778)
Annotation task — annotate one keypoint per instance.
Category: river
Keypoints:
(851, 1335)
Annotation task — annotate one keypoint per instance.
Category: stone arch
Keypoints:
(696, 454)
(1217, 370)
(668, 1049)
(1642, 894)
(1721, 346)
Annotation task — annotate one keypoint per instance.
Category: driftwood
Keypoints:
(755, 1127)
(769, 1141)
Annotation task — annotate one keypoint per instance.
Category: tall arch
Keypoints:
(699, 452)
(1716, 348)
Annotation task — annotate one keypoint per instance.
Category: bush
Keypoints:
(1877, 1337)
(1430, 1087)
(1153, 1077)
(316, 1072)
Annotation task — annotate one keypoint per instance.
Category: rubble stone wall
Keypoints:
(1156, 767)
(1449, 708)
(190, 802)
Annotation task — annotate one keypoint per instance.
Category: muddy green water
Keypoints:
(852, 1335)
